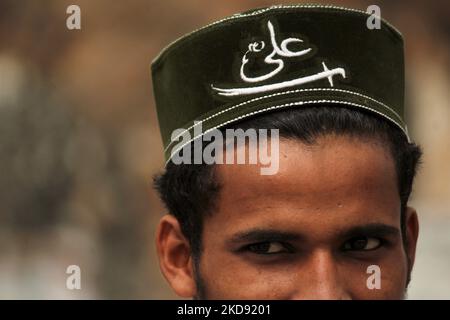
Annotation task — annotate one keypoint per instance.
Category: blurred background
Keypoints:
(79, 141)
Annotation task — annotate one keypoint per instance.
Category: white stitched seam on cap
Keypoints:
(283, 106)
(281, 93)
(254, 13)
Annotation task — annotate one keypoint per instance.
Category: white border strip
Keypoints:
(282, 93)
(283, 106)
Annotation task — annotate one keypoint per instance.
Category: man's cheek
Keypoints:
(393, 280)
(241, 281)
(365, 281)
(384, 279)
(391, 286)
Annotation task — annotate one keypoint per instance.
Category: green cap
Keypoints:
(274, 58)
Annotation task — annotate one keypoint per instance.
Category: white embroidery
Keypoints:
(280, 85)
(282, 51)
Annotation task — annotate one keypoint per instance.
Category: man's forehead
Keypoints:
(354, 182)
(332, 162)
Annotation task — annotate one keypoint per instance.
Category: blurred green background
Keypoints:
(79, 140)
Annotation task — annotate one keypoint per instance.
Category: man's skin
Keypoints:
(293, 235)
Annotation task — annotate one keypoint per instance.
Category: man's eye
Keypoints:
(267, 248)
(362, 244)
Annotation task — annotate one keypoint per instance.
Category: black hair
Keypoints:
(189, 191)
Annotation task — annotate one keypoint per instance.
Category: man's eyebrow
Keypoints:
(260, 235)
(372, 229)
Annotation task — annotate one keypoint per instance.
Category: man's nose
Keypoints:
(320, 278)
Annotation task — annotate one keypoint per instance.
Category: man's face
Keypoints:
(311, 230)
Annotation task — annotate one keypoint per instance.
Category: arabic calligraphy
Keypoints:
(281, 51)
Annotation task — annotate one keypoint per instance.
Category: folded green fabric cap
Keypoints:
(274, 58)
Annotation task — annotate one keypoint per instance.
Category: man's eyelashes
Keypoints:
(356, 244)
(363, 243)
(268, 247)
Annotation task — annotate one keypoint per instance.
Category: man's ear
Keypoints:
(175, 258)
(412, 233)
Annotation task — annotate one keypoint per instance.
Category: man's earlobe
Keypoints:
(412, 233)
(175, 258)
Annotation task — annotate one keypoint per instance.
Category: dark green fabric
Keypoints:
(184, 73)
